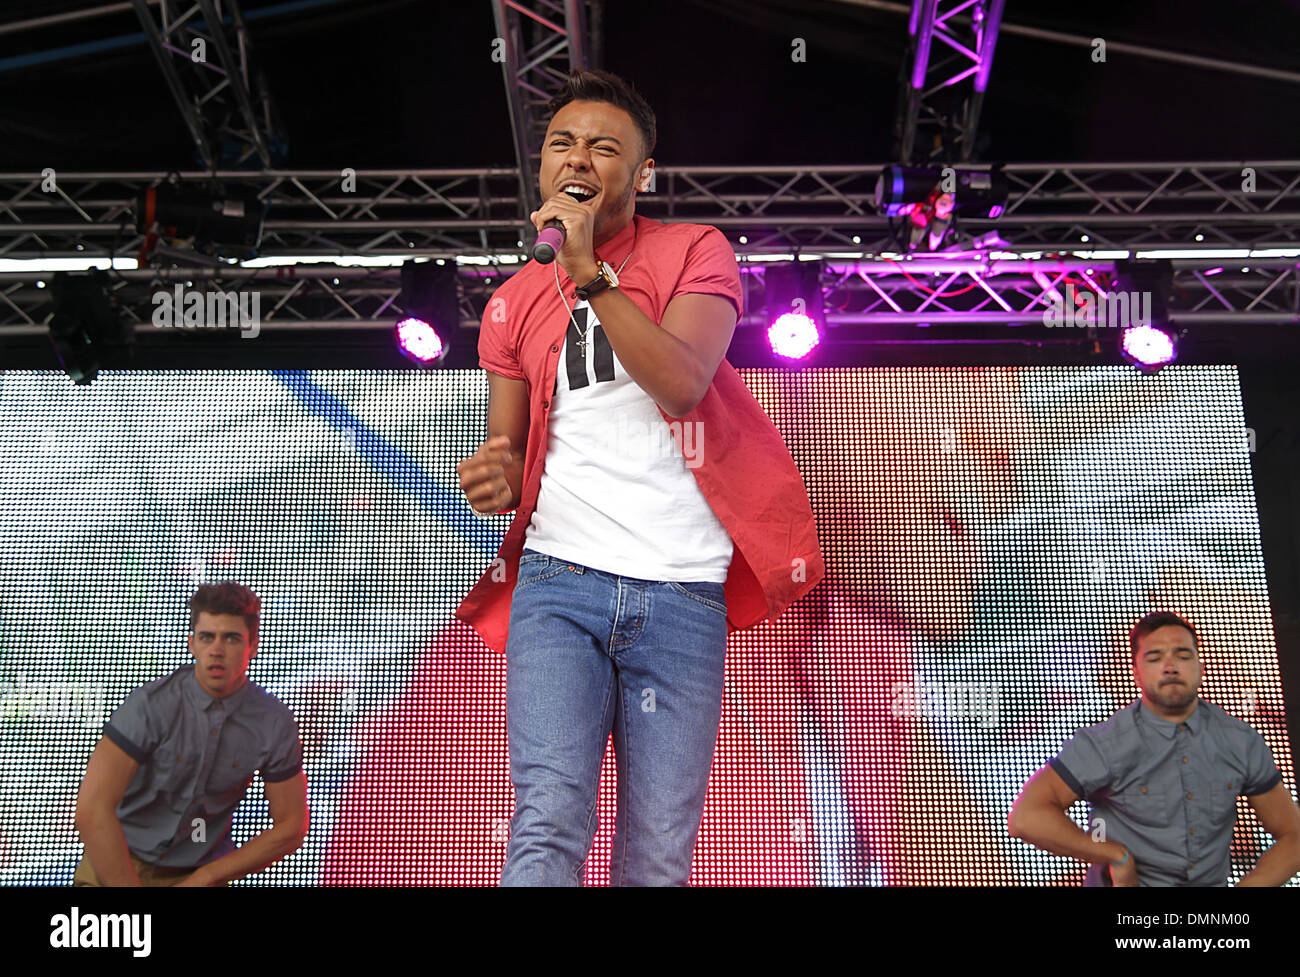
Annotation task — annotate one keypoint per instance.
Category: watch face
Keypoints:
(610, 274)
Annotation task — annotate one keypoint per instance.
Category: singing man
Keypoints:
(657, 507)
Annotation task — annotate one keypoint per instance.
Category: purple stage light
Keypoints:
(793, 336)
(419, 340)
(1147, 346)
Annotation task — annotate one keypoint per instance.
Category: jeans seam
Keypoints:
(627, 786)
(595, 792)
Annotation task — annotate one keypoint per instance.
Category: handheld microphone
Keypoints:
(549, 242)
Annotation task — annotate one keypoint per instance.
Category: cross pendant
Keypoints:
(582, 345)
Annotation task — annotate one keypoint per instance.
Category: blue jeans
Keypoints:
(590, 652)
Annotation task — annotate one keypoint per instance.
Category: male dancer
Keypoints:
(631, 557)
(1163, 776)
(178, 756)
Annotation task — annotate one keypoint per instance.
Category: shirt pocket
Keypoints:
(1144, 803)
(231, 777)
(170, 771)
(1223, 799)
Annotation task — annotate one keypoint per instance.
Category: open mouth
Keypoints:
(584, 195)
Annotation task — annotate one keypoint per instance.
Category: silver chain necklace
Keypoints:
(582, 333)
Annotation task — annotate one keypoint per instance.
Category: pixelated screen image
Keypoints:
(990, 536)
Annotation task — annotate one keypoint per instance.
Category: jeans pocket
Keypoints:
(713, 595)
(537, 567)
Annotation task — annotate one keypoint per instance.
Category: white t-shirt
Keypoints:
(617, 493)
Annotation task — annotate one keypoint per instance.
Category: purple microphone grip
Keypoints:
(549, 242)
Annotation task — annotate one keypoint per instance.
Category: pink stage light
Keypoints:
(1147, 346)
(793, 336)
(419, 340)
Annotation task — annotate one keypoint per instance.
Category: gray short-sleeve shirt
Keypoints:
(1168, 790)
(197, 756)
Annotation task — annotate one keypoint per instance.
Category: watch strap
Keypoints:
(604, 279)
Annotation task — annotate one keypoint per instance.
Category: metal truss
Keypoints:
(950, 56)
(953, 289)
(544, 40)
(206, 66)
(1052, 208)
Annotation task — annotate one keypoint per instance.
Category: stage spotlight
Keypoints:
(900, 189)
(1146, 340)
(209, 219)
(432, 310)
(975, 192)
(794, 303)
(84, 323)
(931, 197)
(1147, 347)
(981, 193)
(793, 336)
(419, 341)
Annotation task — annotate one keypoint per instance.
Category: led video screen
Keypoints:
(990, 535)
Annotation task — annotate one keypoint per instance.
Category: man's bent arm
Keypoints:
(287, 801)
(674, 362)
(108, 774)
(1039, 817)
(1280, 817)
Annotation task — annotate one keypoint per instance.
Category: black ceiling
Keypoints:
(398, 83)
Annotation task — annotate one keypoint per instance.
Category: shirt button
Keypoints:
(1144, 790)
(546, 403)
(1189, 795)
(214, 732)
(1192, 832)
(1184, 759)
(555, 349)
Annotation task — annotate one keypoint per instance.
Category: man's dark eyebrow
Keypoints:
(566, 132)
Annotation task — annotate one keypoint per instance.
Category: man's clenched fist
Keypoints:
(483, 475)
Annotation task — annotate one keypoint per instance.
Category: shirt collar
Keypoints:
(200, 699)
(1195, 722)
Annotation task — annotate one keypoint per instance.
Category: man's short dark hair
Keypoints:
(1154, 622)
(227, 597)
(603, 86)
